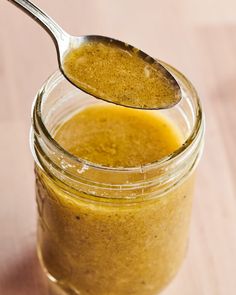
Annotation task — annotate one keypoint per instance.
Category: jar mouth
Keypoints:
(197, 130)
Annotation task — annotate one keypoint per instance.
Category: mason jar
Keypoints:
(104, 230)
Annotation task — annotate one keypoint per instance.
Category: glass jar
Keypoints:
(107, 230)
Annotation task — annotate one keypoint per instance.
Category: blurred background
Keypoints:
(198, 37)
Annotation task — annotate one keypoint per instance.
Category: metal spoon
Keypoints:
(64, 43)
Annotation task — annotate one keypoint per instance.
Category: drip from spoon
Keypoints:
(107, 68)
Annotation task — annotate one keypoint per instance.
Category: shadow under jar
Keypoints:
(112, 231)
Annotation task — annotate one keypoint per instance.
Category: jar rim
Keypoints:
(198, 127)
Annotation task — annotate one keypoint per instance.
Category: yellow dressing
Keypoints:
(118, 137)
(92, 247)
(120, 76)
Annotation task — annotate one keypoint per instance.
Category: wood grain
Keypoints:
(197, 37)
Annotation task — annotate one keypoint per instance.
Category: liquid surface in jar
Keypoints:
(115, 136)
(120, 76)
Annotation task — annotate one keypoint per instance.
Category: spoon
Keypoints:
(65, 44)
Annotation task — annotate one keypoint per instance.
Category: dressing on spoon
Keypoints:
(120, 75)
(109, 69)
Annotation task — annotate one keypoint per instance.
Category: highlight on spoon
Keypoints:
(119, 73)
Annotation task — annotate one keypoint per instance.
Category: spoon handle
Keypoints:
(55, 31)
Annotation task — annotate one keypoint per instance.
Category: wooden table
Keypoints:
(199, 38)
